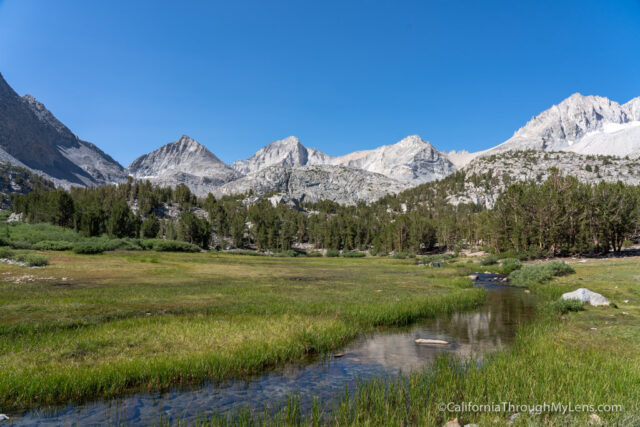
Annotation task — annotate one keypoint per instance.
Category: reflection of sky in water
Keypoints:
(384, 353)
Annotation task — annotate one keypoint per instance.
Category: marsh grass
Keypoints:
(588, 357)
(29, 259)
(127, 321)
(564, 306)
(535, 274)
(509, 265)
(33, 260)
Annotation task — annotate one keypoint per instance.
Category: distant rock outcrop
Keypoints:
(313, 183)
(18, 180)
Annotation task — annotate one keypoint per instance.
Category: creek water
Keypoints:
(386, 352)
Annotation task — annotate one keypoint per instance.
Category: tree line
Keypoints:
(558, 216)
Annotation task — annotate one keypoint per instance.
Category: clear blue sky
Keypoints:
(341, 75)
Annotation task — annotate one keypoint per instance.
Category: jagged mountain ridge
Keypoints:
(580, 124)
(289, 172)
(285, 152)
(31, 137)
(287, 166)
(183, 161)
(411, 160)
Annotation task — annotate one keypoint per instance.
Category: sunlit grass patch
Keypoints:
(100, 325)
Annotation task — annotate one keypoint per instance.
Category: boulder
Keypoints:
(587, 296)
(15, 217)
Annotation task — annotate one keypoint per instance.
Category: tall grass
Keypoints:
(123, 323)
(539, 273)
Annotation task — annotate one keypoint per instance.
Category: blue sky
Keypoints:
(341, 75)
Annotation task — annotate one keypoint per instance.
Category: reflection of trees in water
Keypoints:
(471, 334)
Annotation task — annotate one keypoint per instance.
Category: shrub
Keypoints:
(354, 254)
(175, 246)
(20, 244)
(53, 245)
(314, 254)
(6, 253)
(126, 244)
(539, 273)
(509, 265)
(34, 233)
(332, 253)
(89, 247)
(403, 255)
(245, 252)
(489, 260)
(286, 254)
(563, 306)
(33, 260)
(148, 244)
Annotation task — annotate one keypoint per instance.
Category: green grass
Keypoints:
(354, 254)
(564, 306)
(34, 233)
(587, 357)
(489, 260)
(539, 273)
(30, 259)
(101, 325)
(33, 260)
(509, 265)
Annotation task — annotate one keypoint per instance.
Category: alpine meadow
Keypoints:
(270, 239)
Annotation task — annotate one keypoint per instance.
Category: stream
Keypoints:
(387, 352)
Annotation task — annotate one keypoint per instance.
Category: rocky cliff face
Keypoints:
(315, 182)
(412, 161)
(487, 177)
(32, 137)
(184, 161)
(285, 152)
(18, 180)
(582, 124)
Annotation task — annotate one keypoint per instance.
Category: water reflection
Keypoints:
(471, 334)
